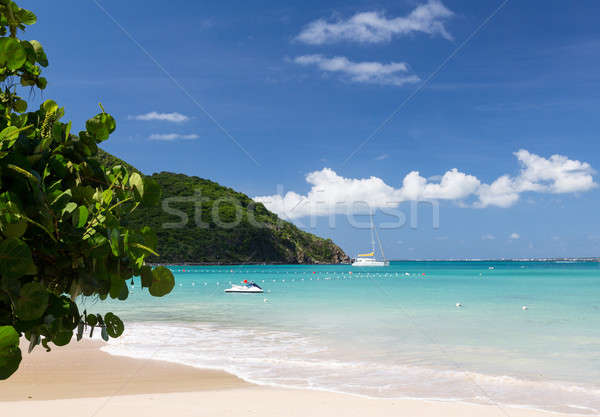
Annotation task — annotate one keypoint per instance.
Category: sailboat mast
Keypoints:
(380, 245)
(372, 235)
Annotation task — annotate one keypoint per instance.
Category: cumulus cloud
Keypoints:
(166, 117)
(514, 236)
(332, 193)
(557, 174)
(394, 73)
(172, 136)
(375, 27)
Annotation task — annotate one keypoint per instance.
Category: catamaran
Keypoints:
(369, 259)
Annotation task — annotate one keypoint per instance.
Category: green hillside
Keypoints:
(201, 221)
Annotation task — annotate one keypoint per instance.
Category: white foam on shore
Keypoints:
(280, 358)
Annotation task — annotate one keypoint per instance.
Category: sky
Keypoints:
(468, 128)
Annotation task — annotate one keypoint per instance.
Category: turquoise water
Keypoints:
(392, 332)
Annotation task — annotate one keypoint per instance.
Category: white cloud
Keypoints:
(514, 236)
(172, 136)
(394, 73)
(557, 174)
(382, 157)
(167, 117)
(488, 236)
(332, 193)
(375, 27)
(501, 193)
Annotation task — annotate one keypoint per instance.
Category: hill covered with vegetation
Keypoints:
(200, 221)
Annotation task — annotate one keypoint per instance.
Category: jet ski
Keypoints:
(248, 287)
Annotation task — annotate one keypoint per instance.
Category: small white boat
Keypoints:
(368, 259)
(248, 287)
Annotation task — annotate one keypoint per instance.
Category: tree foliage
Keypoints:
(61, 211)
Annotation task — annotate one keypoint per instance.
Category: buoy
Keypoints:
(459, 305)
(524, 307)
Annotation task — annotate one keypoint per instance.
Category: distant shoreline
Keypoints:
(565, 260)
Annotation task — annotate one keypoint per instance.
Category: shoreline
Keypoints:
(83, 378)
(500, 260)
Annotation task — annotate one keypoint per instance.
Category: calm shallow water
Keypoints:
(386, 332)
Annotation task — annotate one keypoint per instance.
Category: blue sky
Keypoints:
(300, 85)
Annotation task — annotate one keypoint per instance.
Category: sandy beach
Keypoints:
(82, 380)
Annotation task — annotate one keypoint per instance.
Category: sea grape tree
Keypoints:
(61, 233)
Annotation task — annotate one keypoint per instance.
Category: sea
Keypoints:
(510, 333)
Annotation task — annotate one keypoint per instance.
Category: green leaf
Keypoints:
(10, 134)
(147, 276)
(80, 217)
(162, 281)
(116, 286)
(10, 354)
(20, 106)
(11, 222)
(91, 320)
(23, 172)
(61, 199)
(41, 83)
(69, 208)
(145, 248)
(12, 53)
(15, 258)
(137, 183)
(42, 59)
(114, 241)
(32, 302)
(114, 325)
(124, 292)
(62, 338)
(27, 17)
(49, 106)
(15, 229)
(101, 126)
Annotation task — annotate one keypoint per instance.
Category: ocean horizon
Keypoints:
(506, 333)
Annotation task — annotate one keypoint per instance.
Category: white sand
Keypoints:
(80, 380)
